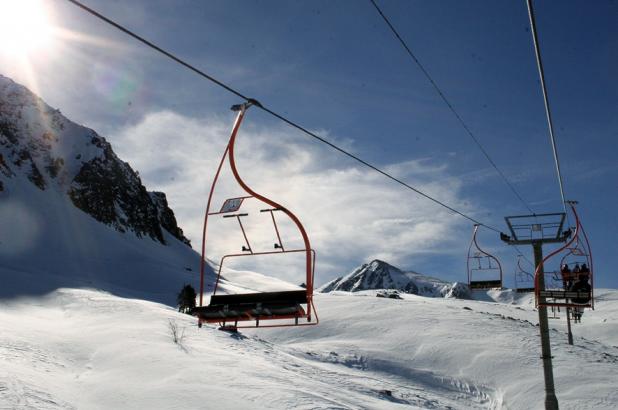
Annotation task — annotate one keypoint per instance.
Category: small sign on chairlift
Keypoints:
(537, 228)
(231, 205)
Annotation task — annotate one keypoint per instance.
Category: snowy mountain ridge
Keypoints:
(380, 275)
(53, 153)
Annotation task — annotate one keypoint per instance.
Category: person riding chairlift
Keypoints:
(581, 286)
(584, 270)
(567, 277)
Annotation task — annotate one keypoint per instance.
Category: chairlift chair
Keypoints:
(557, 291)
(484, 270)
(279, 308)
(524, 280)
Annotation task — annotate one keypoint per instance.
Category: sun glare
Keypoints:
(25, 27)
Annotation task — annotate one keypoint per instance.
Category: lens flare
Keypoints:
(24, 27)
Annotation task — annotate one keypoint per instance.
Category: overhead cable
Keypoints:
(519, 252)
(552, 137)
(449, 105)
(273, 113)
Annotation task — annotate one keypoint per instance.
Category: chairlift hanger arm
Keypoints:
(241, 113)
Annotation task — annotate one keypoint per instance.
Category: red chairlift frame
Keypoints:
(565, 294)
(491, 283)
(309, 252)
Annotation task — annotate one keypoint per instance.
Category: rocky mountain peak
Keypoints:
(41, 145)
(378, 274)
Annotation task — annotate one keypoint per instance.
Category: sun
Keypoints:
(25, 27)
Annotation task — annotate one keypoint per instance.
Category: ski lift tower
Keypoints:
(537, 230)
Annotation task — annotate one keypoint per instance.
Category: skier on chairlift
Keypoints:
(581, 286)
(567, 278)
(584, 270)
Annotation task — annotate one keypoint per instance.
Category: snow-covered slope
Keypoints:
(80, 349)
(380, 275)
(72, 214)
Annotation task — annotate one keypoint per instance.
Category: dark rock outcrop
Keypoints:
(109, 190)
(166, 216)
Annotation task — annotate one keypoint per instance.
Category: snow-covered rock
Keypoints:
(53, 153)
(380, 275)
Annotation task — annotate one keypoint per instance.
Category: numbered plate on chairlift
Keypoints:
(231, 205)
(577, 252)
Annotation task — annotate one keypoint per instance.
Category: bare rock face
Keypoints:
(112, 193)
(41, 145)
(166, 216)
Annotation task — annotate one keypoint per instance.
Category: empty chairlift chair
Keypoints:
(248, 310)
(524, 280)
(484, 270)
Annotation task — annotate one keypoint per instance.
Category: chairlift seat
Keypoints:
(485, 284)
(253, 306)
(525, 290)
(566, 294)
(565, 298)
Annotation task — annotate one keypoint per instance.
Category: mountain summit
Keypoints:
(380, 275)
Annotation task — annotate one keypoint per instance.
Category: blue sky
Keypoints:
(334, 67)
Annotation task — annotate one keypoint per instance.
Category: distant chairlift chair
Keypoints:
(484, 270)
(524, 280)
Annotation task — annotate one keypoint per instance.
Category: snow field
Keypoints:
(87, 349)
(475, 353)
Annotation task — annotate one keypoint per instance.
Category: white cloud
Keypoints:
(352, 213)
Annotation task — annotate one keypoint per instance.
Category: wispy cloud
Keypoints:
(352, 214)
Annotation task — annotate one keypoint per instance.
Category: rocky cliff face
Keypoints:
(37, 142)
(380, 275)
(166, 216)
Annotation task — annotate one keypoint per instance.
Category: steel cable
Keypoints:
(273, 113)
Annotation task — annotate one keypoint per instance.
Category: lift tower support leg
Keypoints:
(536, 230)
(551, 401)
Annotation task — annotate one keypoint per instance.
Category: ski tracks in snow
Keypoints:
(333, 380)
